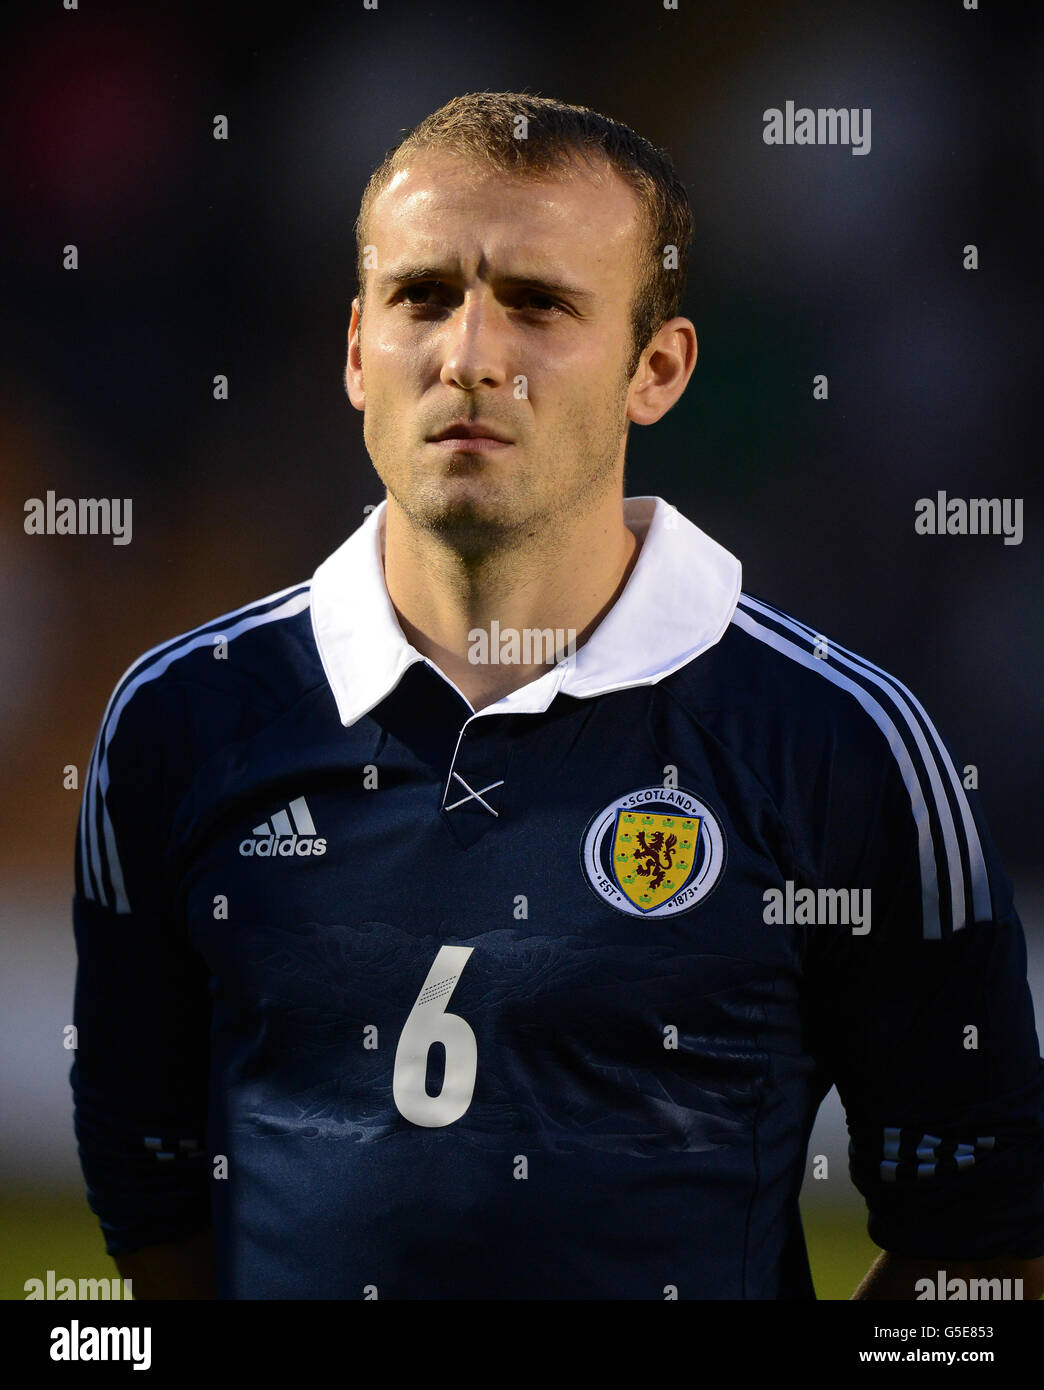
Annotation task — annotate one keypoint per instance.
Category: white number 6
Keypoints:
(429, 1023)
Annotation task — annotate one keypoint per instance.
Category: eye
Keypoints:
(536, 299)
(434, 294)
(421, 293)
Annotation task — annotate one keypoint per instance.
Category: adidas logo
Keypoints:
(288, 833)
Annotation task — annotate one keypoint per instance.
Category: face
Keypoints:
(502, 305)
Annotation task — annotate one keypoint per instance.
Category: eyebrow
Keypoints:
(411, 274)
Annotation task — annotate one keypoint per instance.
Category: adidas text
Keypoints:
(282, 846)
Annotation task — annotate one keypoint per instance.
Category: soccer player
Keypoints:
(488, 917)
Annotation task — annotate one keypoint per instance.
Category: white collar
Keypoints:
(677, 602)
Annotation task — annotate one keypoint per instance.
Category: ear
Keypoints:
(663, 372)
(353, 377)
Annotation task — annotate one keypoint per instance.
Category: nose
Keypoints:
(475, 343)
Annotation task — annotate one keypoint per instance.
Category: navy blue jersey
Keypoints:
(540, 1001)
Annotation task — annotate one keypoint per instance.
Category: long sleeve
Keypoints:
(142, 1004)
(930, 1038)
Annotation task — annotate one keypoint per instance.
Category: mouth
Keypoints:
(470, 437)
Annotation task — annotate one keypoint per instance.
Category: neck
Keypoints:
(563, 579)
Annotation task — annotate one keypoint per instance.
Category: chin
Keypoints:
(471, 519)
(465, 492)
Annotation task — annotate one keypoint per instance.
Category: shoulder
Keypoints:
(847, 748)
(856, 703)
(799, 684)
(172, 708)
(247, 653)
(186, 696)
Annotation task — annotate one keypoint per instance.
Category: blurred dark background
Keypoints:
(199, 257)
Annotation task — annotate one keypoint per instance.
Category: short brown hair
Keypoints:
(485, 126)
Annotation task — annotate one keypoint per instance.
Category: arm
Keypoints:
(894, 1276)
(179, 1269)
(142, 1013)
(929, 1034)
(946, 1139)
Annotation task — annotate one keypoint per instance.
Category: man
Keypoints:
(517, 966)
